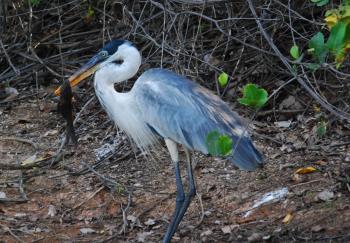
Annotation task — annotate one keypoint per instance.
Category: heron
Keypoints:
(165, 105)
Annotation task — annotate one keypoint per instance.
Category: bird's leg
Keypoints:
(180, 195)
(191, 192)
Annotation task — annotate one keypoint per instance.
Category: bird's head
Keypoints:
(113, 53)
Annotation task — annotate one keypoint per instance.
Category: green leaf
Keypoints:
(318, 48)
(321, 129)
(223, 79)
(294, 52)
(35, 2)
(313, 66)
(336, 39)
(322, 3)
(219, 144)
(253, 96)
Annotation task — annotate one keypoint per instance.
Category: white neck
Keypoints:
(121, 107)
(111, 73)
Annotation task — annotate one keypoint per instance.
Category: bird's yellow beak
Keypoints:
(85, 71)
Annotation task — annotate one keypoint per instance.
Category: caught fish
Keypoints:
(65, 108)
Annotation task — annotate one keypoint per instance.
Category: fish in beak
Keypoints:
(85, 71)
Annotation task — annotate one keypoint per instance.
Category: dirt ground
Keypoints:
(71, 202)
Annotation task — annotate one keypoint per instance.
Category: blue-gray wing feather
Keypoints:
(180, 109)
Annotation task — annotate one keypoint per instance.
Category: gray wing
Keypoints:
(185, 112)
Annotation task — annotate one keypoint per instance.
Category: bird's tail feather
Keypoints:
(245, 155)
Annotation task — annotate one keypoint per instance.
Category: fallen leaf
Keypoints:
(325, 195)
(283, 124)
(228, 228)
(321, 162)
(287, 218)
(29, 160)
(34, 158)
(206, 233)
(255, 237)
(290, 103)
(11, 94)
(20, 215)
(2, 195)
(50, 133)
(85, 231)
(52, 211)
(267, 237)
(150, 222)
(298, 178)
(305, 170)
(141, 237)
(317, 228)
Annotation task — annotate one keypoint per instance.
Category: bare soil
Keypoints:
(65, 205)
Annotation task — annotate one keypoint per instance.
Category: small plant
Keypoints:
(321, 129)
(223, 79)
(338, 43)
(89, 14)
(219, 144)
(35, 2)
(320, 2)
(253, 96)
(294, 52)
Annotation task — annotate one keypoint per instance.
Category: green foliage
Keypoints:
(35, 2)
(335, 42)
(294, 52)
(219, 144)
(318, 48)
(90, 13)
(119, 189)
(337, 21)
(223, 79)
(253, 96)
(321, 129)
(313, 66)
(320, 2)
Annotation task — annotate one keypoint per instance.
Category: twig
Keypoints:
(6, 228)
(23, 140)
(92, 195)
(105, 180)
(17, 71)
(199, 196)
(20, 184)
(125, 212)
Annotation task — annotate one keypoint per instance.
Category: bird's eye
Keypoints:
(104, 54)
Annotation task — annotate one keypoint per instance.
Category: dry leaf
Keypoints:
(206, 233)
(305, 170)
(283, 124)
(317, 228)
(29, 160)
(34, 158)
(228, 228)
(50, 133)
(85, 231)
(51, 211)
(321, 162)
(2, 195)
(325, 195)
(255, 237)
(287, 218)
(150, 222)
(141, 237)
